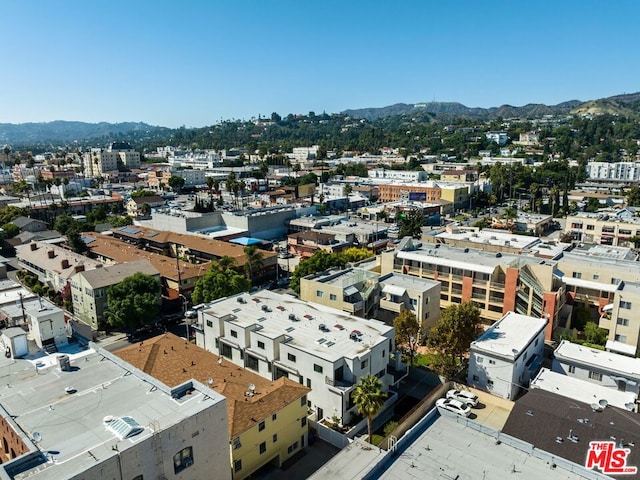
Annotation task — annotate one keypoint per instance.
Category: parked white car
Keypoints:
(464, 396)
(455, 406)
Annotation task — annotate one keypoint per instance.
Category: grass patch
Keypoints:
(376, 439)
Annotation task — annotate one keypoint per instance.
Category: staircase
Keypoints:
(50, 346)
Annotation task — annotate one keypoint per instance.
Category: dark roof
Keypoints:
(21, 222)
(121, 146)
(542, 418)
(150, 199)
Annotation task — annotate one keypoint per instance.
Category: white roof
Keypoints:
(582, 390)
(422, 256)
(509, 336)
(578, 282)
(620, 347)
(394, 290)
(613, 362)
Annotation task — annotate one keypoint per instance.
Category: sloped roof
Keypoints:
(106, 276)
(173, 361)
(21, 222)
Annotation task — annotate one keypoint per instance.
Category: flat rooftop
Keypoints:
(304, 332)
(71, 424)
(581, 390)
(600, 359)
(408, 281)
(488, 237)
(510, 335)
(446, 448)
(603, 251)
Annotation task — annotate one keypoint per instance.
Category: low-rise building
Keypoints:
(96, 416)
(603, 228)
(307, 243)
(136, 206)
(47, 326)
(507, 355)
(325, 349)
(607, 369)
(267, 420)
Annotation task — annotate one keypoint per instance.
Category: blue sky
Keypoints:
(196, 62)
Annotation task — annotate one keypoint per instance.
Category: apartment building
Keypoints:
(403, 175)
(605, 229)
(507, 355)
(94, 416)
(53, 265)
(497, 137)
(267, 420)
(280, 336)
(98, 161)
(496, 283)
(307, 243)
(135, 206)
(89, 289)
(616, 171)
(606, 369)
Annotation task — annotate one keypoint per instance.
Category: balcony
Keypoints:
(341, 386)
(352, 307)
(392, 305)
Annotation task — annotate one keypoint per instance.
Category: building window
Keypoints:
(261, 426)
(252, 362)
(183, 459)
(236, 443)
(489, 382)
(363, 364)
(591, 227)
(319, 293)
(620, 338)
(292, 448)
(479, 359)
(596, 276)
(333, 297)
(536, 342)
(623, 321)
(260, 345)
(303, 422)
(274, 417)
(303, 401)
(237, 465)
(234, 334)
(317, 368)
(492, 362)
(309, 382)
(615, 281)
(625, 305)
(291, 357)
(263, 447)
(275, 437)
(577, 275)
(209, 323)
(225, 350)
(595, 376)
(572, 369)
(475, 378)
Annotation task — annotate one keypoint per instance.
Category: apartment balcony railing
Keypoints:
(391, 305)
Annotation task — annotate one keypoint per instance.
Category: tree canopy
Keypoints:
(411, 225)
(133, 302)
(176, 183)
(452, 335)
(220, 281)
(322, 260)
(407, 332)
(369, 398)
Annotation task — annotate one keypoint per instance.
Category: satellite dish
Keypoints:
(107, 419)
(252, 387)
(37, 436)
(603, 402)
(209, 380)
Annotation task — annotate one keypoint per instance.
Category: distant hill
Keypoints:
(626, 104)
(455, 109)
(63, 131)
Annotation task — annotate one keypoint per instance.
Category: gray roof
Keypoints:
(21, 222)
(107, 276)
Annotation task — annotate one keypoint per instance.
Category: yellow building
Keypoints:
(267, 419)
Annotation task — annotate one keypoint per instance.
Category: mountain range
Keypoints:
(83, 134)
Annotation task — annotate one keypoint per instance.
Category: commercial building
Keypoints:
(93, 416)
(507, 355)
(325, 349)
(267, 419)
(99, 161)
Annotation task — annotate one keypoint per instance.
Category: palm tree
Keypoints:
(369, 398)
(225, 263)
(254, 260)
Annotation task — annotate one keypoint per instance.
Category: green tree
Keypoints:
(317, 262)
(133, 302)
(145, 209)
(176, 183)
(254, 261)
(454, 332)
(407, 332)
(369, 399)
(347, 190)
(594, 334)
(10, 230)
(356, 254)
(633, 197)
(219, 283)
(411, 225)
(75, 242)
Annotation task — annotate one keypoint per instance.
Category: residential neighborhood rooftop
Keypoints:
(510, 335)
(629, 366)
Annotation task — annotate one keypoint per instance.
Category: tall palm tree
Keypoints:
(225, 263)
(369, 398)
(254, 260)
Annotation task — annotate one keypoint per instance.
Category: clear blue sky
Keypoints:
(196, 62)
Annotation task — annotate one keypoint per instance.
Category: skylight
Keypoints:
(124, 427)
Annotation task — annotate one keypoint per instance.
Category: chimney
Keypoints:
(34, 246)
(64, 264)
(79, 268)
(51, 254)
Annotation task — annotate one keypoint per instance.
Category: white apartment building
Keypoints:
(507, 355)
(324, 349)
(618, 171)
(191, 176)
(607, 369)
(602, 228)
(94, 416)
(99, 161)
(497, 137)
(403, 175)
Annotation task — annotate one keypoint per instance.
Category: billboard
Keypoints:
(418, 196)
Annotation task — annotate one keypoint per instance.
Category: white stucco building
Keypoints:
(507, 355)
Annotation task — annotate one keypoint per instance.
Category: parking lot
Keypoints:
(491, 411)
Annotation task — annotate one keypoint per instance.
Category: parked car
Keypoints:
(464, 396)
(455, 406)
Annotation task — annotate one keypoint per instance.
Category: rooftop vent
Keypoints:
(241, 300)
(265, 308)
